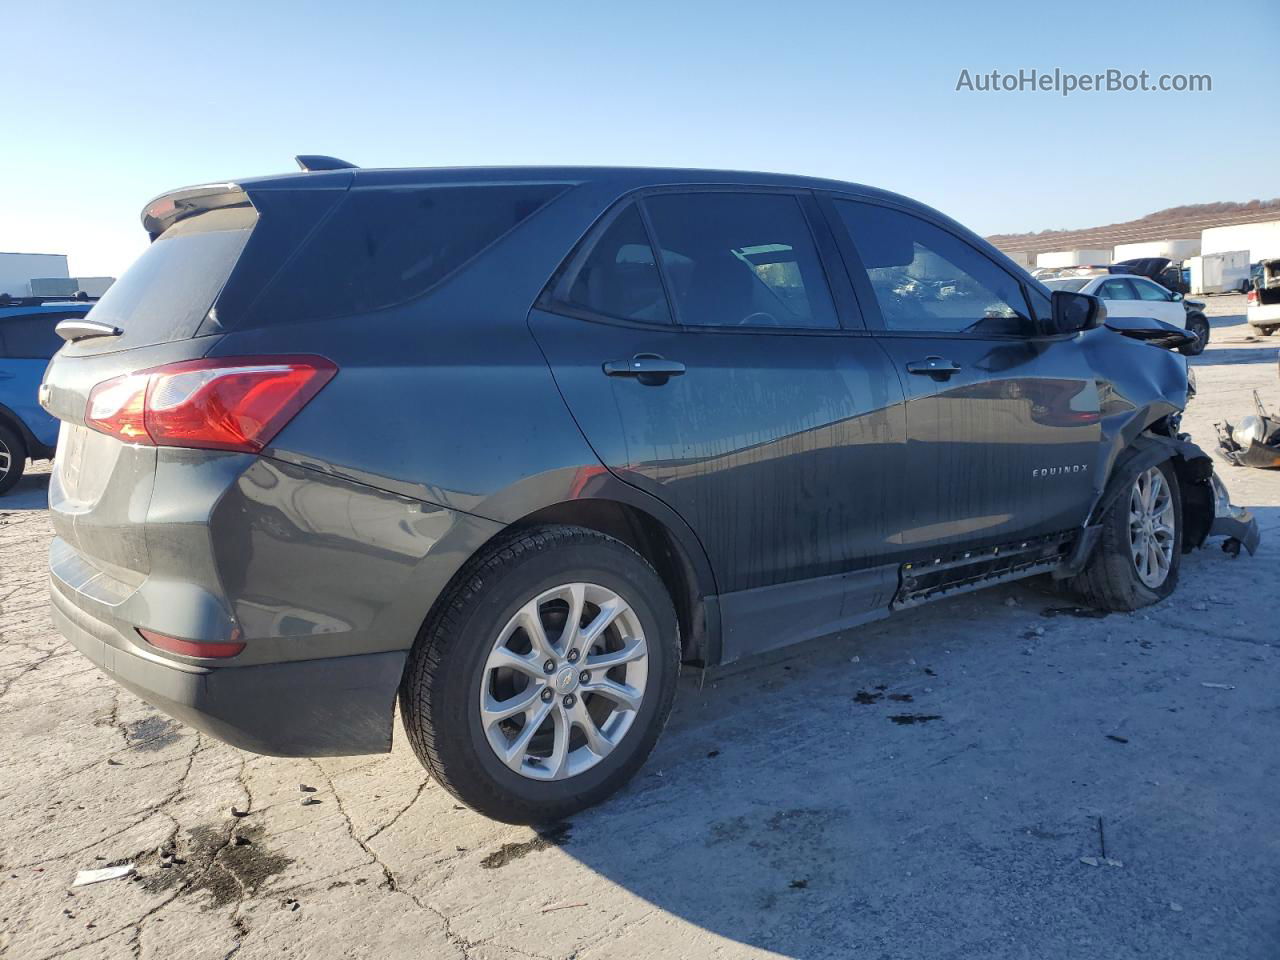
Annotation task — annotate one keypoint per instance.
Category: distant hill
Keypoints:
(1174, 223)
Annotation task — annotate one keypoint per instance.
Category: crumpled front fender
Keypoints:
(1206, 506)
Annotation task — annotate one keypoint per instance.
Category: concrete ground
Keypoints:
(996, 775)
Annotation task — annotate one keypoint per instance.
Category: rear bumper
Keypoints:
(335, 706)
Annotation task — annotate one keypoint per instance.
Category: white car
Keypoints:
(1130, 296)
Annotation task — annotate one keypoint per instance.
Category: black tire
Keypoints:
(1110, 579)
(1266, 331)
(13, 458)
(1199, 326)
(442, 680)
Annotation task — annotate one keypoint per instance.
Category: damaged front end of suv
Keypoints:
(1141, 422)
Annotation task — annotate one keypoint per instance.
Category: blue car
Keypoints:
(27, 341)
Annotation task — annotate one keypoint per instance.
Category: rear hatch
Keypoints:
(1269, 290)
(164, 306)
(226, 259)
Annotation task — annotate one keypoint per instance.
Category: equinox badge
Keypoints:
(1055, 471)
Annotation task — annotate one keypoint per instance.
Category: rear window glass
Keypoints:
(168, 290)
(383, 246)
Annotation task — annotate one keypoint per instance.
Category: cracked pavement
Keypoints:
(925, 787)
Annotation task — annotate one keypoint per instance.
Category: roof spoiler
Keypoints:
(311, 162)
(168, 208)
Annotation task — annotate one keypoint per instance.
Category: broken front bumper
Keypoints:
(1235, 523)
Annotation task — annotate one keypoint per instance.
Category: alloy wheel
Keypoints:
(1151, 527)
(563, 681)
(6, 460)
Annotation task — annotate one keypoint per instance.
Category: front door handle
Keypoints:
(649, 368)
(934, 366)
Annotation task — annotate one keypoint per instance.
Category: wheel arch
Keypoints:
(673, 552)
(1192, 466)
(16, 424)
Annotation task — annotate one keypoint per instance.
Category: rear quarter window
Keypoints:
(387, 245)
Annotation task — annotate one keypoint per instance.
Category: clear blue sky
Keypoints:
(106, 105)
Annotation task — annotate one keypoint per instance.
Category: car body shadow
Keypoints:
(928, 783)
(30, 493)
(1230, 356)
(1229, 320)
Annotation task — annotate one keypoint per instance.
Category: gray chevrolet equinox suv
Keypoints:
(514, 444)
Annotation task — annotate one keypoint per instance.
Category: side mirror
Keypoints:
(1073, 312)
(1177, 296)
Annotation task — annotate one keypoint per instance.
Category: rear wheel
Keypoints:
(1266, 331)
(13, 458)
(1198, 326)
(1137, 559)
(543, 681)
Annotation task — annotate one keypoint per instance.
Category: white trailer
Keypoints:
(94, 286)
(1023, 258)
(1074, 258)
(17, 270)
(1260, 241)
(1220, 272)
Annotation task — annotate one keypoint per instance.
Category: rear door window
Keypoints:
(926, 279)
(619, 278)
(1116, 290)
(741, 260)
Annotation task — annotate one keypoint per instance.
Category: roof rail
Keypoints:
(79, 297)
(316, 161)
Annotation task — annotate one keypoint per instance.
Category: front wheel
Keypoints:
(1139, 553)
(1198, 327)
(1266, 331)
(545, 677)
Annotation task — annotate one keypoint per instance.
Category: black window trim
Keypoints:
(849, 317)
(866, 295)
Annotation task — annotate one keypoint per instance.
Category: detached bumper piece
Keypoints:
(1235, 523)
(1255, 442)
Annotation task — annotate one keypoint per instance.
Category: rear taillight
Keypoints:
(223, 403)
(1252, 298)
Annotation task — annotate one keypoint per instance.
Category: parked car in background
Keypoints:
(27, 341)
(1160, 269)
(514, 443)
(1263, 311)
(1134, 296)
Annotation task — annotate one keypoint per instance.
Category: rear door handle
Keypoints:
(934, 367)
(648, 368)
